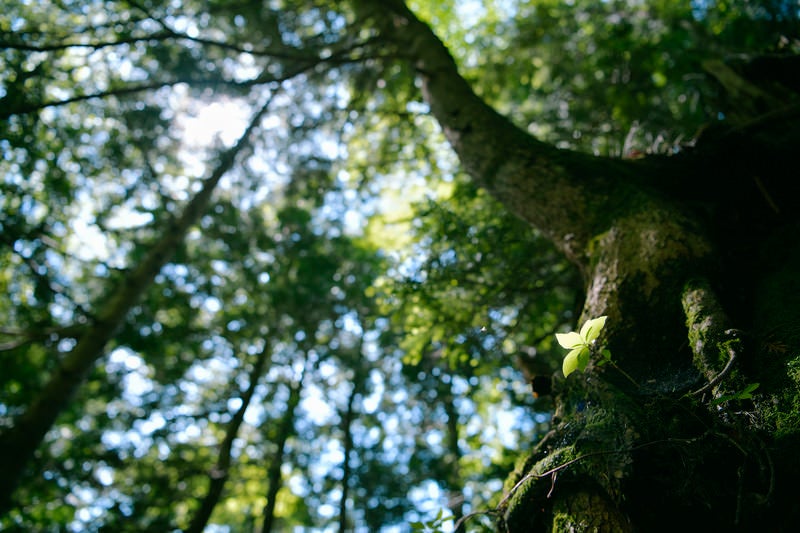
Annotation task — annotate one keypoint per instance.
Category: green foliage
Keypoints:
(612, 78)
(580, 345)
(744, 394)
(784, 413)
(473, 293)
(432, 526)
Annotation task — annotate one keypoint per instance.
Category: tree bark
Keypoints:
(19, 443)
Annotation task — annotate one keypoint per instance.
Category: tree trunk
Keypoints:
(680, 255)
(19, 443)
(285, 431)
(219, 473)
(347, 427)
(455, 494)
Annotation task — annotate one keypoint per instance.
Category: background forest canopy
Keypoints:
(233, 237)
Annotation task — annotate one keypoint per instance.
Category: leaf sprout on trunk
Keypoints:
(581, 346)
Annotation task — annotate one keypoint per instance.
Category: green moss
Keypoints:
(782, 411)
(595, 440)
(569, 516)
(710, 339)
(587, 510)
(793, 371)
(647, 243)
(531, 489)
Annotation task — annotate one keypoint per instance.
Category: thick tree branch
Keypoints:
(14, 44)
(556, 191)
(299, 66)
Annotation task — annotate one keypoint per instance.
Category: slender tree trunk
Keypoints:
(347, 423)
(285, 431)
(219, 473)
(455, 496)
(19, 443)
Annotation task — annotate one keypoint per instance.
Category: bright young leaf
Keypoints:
(573, 360)
(580, 344)
(592, 328)
(569, 340)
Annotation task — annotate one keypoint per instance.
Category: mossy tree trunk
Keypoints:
(693, 259)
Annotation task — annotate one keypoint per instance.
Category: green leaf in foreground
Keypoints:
(580, 344)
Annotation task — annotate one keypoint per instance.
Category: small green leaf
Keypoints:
(571, 361)
(569, 340)
(583, 358)
(592, 328)
(746, 394)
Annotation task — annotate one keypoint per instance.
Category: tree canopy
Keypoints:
(261, 273)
